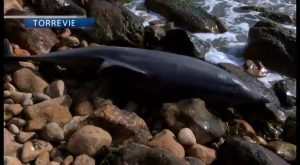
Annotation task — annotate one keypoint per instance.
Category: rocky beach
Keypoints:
(73, 115)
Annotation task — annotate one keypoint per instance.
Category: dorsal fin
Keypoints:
(109, 63)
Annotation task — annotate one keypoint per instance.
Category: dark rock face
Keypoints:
(58, 7)
(186, 15)
(235, 151)
(289, 129)
(269, 111)
(286, 92)
(142, 155)
(115, 25)
(273, 45)
(193, 114)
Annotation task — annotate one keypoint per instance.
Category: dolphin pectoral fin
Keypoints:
(116, 64)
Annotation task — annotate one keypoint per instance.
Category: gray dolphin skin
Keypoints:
(167, 76)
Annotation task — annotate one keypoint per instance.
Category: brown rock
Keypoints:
(68, 160)
(73, 125)
(7, 78)
(260, 140)
(54, 163)
(40, 97)
(32, 149)
(9, 101)
(84, 159)
(84, 107)
(43, 158)
(11, 5)
(19, 122)
(166, 140)
(65, 33)
(284, 149)
(9, 160)
(23, 137)
(88, 140)
(8, 86)
(21, 97)
(71, 41)
(28, 80)
(54, 110)
(11, 110)
(13, 128)
(201, 152)
(57, 155)
(241, 127)
(56, 89)
(256, 68)
(21, 52)
(6, 93)
(11, 148)
(186, 137)
(52, 132)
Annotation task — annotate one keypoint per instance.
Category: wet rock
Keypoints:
(84, 159)
(187, 15)
(56, 89)
(71, 41)
(270, 111)
(289, 129)
(122, 2)
(255, 68)
(19, 122)
(73, 125)
(58, 7)
(285, 150)
(54, 110)
(21, 52)
(166, 140)
(241, 127)
(11, 5)
(32, 149)
(43, 159)
(120, 124)
(194, 161)
(153, 36)
(34, 40)
(207, 155)
(273, 45)
(52, 132)
(68, 160)
(136, 153)
(186, 137)
(13, 128)
(25, 136)
(40, 97)
(22, 98)
(286, 92)
(193, 114)
(11, 110)
(11, 147)
(28, 80)
(117, 27)
(260, 140)
(88, 140)
(236, 151)
(10, 160)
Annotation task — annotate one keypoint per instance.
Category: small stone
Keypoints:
(11, 147)
(84, 43)
(166, 140)
(68, 160)
(84, 159)
(12, 5)
(34, 148)
(9, 101)
(63, 48)
(194, 161)
(186, 137)
(8, 78)
(256, 68)
(17, 121)
(207, 155)
(27, 102)
(13, 128)
(8, 86)
(21, 52)
(11, 110)
(284, 149)
(73, 125)
(260, 140)
(23, 137)
(57, 155)
(94, 139)
(71, 41)
(65, 33)
(43, 159)
(54, 163)
(28, 65)
(241, 127)
(40, 97)
(52, 132)
(20, 97)
(55, 89)
(6, 93)
(9, 160)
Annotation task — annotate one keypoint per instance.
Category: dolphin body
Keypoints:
(161, 75)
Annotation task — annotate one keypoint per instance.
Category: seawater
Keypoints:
(227, 47)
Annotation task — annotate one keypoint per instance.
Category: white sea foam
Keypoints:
(227, 47)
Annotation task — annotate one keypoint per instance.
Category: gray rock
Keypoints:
(56, 89)
(84, 159)
(13, 128)
(285, 150)
(58, 7)
(40, 97)
(286, 92)
(52, 132)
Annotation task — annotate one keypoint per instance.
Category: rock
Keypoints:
(56, 89)
(166, 140)
(40, 97)
(11, 5)
(25, 136)
(120, 124)
(194, 161)
(52, 132)
(11, 110)
(68, 160)
(136, 153)
(187, 15)
(153, 36)
(84, 159)
(6, 93)
(21, 98)
(73, 125)
(186, 137)
(58, 7)
(32, 149)
(66, 33)
(207, 155)
(260, 140)
(54, 163)
(8, 86)
(7, 78)
(84, 43)
(289, 129)
(88, 140)
(273, 45)
(255, 68)
(57, 154)
(28, 80)
(285, 150)
(54, 110)
(71, 41)
(286, 92)
(193, 114)
(11, 147)
(8, 101)
(21, 52)
(241, 127)
(117, 27)
(13, 128)
(266, 112)
(19, 122)
(236, 151)
(10, 160)
(122, 2)
(43, 159)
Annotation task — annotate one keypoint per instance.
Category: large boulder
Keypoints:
(274, 46)
(187, 15)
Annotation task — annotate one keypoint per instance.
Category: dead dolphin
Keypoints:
(167, 76)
